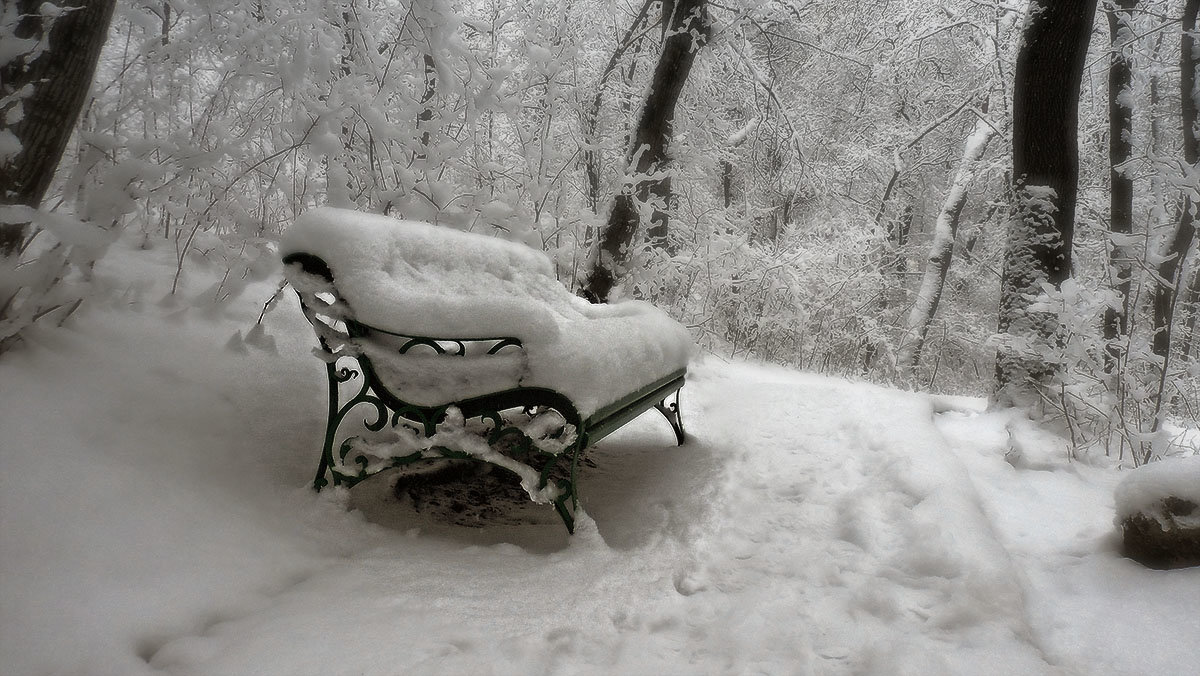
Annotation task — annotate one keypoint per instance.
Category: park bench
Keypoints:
(442, 345)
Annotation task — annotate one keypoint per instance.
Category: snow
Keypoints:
(469, 436)
(1091, 608)
(430, 380)
(419, 279)
(425, 280)
(155, 518)
(1143, 489)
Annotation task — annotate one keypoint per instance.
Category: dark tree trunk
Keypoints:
(426, 17)
(1180, 242)
(1120, 149)
(1048, 74)
(1192, 305)
(425, 117)
(727, 182)
(647, 158)
(166, 24)
(887, 196)
(898, 230)
(59, 80)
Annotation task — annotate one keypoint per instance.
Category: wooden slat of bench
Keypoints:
(610, 418)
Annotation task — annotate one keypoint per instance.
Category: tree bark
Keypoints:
(58, 80)
(427, 16)
(425, 117)
(1047, 76)
(1192, 305)
(646, 163)
(166, 23)
(1180, 242)
(1120, 149)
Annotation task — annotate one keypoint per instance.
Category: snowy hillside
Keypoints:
(155, 517)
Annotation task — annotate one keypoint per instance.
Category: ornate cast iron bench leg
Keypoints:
(330, 430)
(338, 412)
(671, 413)
(571, 495)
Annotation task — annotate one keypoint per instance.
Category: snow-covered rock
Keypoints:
(1158, 511)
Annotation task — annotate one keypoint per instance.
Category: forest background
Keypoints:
(828, 185)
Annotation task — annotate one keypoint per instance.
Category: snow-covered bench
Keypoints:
(468, 347)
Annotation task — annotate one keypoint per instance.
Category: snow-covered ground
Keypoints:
(155, 517)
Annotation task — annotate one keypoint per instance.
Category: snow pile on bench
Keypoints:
(422, 280)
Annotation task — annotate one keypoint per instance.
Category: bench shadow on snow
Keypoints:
(637, 486)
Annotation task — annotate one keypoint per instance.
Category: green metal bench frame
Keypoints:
(346, 467)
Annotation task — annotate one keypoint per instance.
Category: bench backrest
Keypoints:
(424, 280)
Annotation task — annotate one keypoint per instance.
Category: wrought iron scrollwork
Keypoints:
(503, 343)
(439, 346)
(448, 347)
(530, 432)
(674, 419)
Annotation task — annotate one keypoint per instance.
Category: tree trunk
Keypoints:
(898, 230)
(166, 23)
(1192, 305)
(933, 280)
(591, 122)
(1047, 76)
(1120, 149)
(727, 183)
(428, 17)
(887, 192)
(1180, 242)
(646, 162)
(58, 81)
(425, 117)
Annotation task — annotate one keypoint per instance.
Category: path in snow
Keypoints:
(154, 519)
(842, 511)
(1092, 607)
(786, 539)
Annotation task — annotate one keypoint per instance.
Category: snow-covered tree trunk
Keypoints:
(646, 177)
(1179, 243)
(425, 117)
(1120, 149)
(1047, 80)
(945, 231)
(43, 84)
